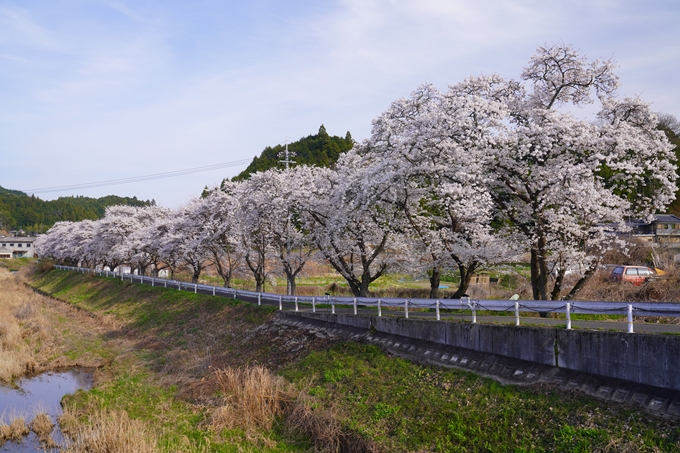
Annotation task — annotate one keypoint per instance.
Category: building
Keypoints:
(17, 247)
(662, 229)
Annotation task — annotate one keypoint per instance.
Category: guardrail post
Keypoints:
(280, 303)
(296, 304)
(517, 313)
(355, 306)
(179, 286)
(332, 305)
(630, 318)
(406, 308)
(568, 314)
(259, 298)
(473, 306)
(234, 294)
(313, 304)
(165, 283)
(195, 288)
(213, 290)
(121, 277)
(379, 308)
(436, 304)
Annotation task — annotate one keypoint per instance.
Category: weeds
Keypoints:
(253, 399)
(42, 426)
(22, 329)
(110, 431)
(14, 431)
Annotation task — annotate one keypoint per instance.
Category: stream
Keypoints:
(42, 393)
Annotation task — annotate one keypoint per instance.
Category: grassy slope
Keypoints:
(164, 380)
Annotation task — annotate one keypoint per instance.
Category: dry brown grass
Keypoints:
(322, 425)
(108, 432)
(15, 430)
(22, 328)
(42, 426)
(666, 289)
(253, 399)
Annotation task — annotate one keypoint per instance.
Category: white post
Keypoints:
(436, 304)
(630, 318)
(332, 305)
(179, 286)
(280, 303)
(153, 281)
(473, 305)
(259, 298)
(195, 288)
(517, 313)
(406, 308)
(379, 308)
(213, 290)
(355, 306)
(234, 294)
(313, 304)
(568, 314)
(165, 283)
(296, 304)
(121, 276)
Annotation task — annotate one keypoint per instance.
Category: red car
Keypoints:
(637, 275)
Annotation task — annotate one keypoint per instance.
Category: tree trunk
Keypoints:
(435, 280)
(582, 281)
(465, 278)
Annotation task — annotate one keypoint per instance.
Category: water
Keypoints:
(40, 393)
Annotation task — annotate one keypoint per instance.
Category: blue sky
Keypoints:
(100, 90)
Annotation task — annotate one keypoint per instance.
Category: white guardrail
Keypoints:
(628, 309)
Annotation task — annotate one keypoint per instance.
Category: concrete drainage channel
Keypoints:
(659, 401)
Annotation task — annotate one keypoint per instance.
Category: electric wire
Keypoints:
(133, 179)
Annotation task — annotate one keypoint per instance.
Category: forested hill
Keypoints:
(20, 211)
(322, 150)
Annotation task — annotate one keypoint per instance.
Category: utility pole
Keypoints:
(287, 155)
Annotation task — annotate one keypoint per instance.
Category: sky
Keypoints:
(95, 91)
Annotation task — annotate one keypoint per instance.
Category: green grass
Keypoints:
(133, 378)
(401, 405)
(409, 407)
(16, 263)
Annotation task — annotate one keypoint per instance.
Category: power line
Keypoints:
(112, 182)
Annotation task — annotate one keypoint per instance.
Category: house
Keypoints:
(17, 247)
(662, 229)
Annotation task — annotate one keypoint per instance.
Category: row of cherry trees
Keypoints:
(461, 179)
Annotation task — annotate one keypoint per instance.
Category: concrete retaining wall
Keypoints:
(641, 358)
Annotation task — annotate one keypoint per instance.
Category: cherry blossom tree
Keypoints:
(349, 224)
(279, 196)
(183, 240)
(561, 181)
(428, 151)
(143, 243)
(220, 236)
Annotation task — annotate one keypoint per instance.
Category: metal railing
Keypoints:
(317, 303)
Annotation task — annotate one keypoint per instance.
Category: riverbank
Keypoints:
(176, 357)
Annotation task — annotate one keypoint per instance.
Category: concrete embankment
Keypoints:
(639, 369)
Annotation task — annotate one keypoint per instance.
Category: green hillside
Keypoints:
(322, 150)
(21, 211)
